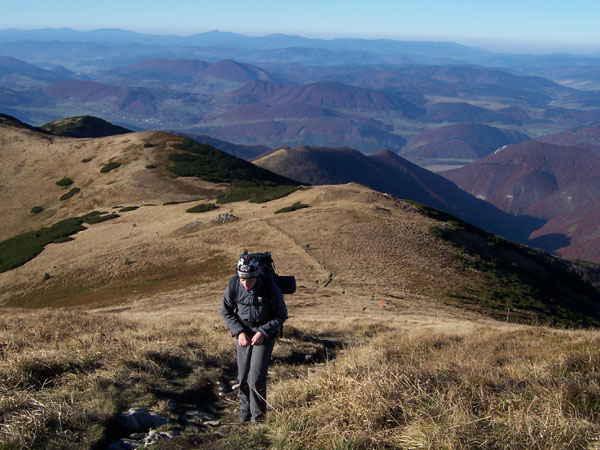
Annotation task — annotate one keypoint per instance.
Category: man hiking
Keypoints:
(253, 309)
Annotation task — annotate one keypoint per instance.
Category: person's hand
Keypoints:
(243, 339)
(257, 339)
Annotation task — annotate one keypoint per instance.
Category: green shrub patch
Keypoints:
(92, 214)
(69, 194)
(17, 250)
(128, 208)
(110, 166)
(292, 207)
(86, 160)
(208, 163)
(36, 210)
(100, 218)
(204, 207)
(177, 202)
(256, 194)
(64, 182)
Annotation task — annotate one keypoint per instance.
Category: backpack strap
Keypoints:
(269, 290)
(234, 286)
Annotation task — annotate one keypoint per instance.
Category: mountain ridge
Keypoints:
(543, 180)
(385, 171)
(465, 141)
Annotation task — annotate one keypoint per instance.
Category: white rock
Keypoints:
(141, 418)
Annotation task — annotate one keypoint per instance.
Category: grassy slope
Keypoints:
(418, 372)
(129, 169)
(371, 274)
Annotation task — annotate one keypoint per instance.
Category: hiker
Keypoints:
(253, 309)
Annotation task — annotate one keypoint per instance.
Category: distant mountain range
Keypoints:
(587, 137)
(365, 107)
(387, 172)
(556, 183)
(215, 45)
(435, 103)
(461, 141)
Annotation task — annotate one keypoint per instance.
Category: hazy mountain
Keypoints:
(136, 100)
(388, 172)
(461, 141)
(465, 112)
(367, 134)
(573, 234)
(587, 137)
(183, 73)
(329, 95)
(113, 47)
(15, 73)
(365, 107)
(542, 180)
(447, 80)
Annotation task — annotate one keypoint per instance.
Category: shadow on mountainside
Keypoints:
(535, 287)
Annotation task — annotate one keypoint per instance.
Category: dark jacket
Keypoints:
(259, 309)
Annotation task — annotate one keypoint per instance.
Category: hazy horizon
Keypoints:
(513, 26)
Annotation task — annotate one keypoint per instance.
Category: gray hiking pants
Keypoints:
(253, 363)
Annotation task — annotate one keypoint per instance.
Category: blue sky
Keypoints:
(510, 25)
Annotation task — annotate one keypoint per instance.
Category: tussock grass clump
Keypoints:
(293, 207)
(110, 166)
(203, 207)
(69, 194)
(64, 182)
(65, 377)
(528, 389)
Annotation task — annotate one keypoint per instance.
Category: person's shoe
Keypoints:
(259, 419)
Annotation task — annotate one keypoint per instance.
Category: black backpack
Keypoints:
(287, 283)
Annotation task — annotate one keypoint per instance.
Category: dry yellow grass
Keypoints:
(32, 163)
(488, 389)
(65, 375)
